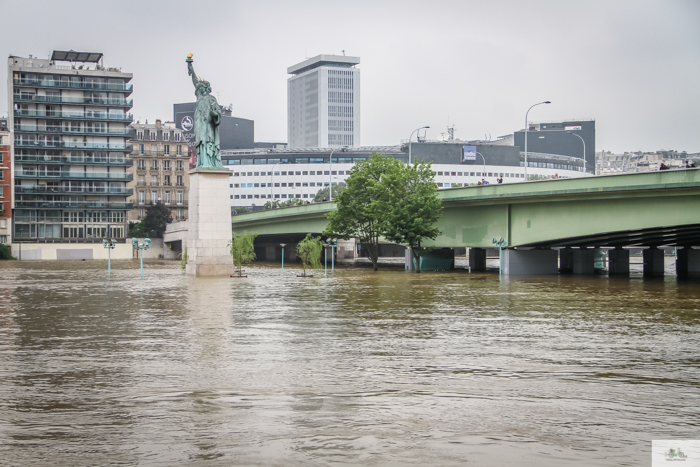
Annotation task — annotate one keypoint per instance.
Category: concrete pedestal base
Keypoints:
(583, 261)
(210, 230)
(477, 259)
(687, 262)
(533, 262)
(618, 262)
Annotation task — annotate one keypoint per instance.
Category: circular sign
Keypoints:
(187, 123)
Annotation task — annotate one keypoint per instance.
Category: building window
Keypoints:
(166, 136)
(141, 149)
(154, 180)
(178, 164)
(154, 164)
(178, 150)
(154, 197)
(180, 213)
(177, 138)
(166, 180)
(141, 180)
(142, 197)
(141, 164)
(166, 149)
(180, 197)
(166, 165)
(153, 135)
(154, 149)
(139, 135)
(179, 180)
(142, 213)
(167, 197)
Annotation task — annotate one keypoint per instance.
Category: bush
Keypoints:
(5, 252)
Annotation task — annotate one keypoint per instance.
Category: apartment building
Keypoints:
(160, 169)
(69, 117)
(5, 185)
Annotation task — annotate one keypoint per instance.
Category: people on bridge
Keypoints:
(484, 182)
(499, 180)
(663, 167)
(689, 166)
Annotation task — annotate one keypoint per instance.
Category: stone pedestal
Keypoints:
(209, 222)
(530, 262)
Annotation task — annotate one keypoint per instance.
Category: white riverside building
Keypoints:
(258, 176)
(323, 102)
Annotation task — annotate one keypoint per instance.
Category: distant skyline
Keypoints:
(633, 66)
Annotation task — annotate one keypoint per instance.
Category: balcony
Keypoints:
(84, 190)
(128, 132)
(72, 205)
(64, 84)
(73, 175)
(74, 100)
(127, 118)
(89, 160)
(72, 145)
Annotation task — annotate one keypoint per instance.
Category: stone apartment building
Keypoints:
(5, 185)
(160, 169)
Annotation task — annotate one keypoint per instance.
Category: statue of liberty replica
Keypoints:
(209, 225)
(207, 118)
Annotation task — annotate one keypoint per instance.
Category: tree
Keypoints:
(361, 206)
(5, 252)
(413, 206)
(157, 217)
(242, 249)
(137, 229)
(241, 210)
(309, 252)
(323, 192)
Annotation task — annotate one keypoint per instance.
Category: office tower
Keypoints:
(323, 102)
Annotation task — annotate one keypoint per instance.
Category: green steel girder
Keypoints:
(649, 209)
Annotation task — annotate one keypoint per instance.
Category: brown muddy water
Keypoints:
(360, 368)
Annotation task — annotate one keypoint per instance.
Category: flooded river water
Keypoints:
(360, 368)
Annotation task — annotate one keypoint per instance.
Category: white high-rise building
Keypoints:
(323, 102)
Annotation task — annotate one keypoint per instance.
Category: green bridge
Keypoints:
(632, 210)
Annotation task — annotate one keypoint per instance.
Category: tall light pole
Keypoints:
(584, 148)
(110, 245)
(283, 245)
(409, 141)
(482, 158)
(141, 247)
(526, 126)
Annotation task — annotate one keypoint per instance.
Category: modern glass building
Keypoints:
(69, 115)
(323, 102)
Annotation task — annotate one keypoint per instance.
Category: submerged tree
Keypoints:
(362, 205)
(413, 206)
(242, 249)
(309, 252)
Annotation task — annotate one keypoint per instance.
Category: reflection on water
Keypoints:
(387, 368)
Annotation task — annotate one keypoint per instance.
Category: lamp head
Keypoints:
(547, 102)
(568, 133)
(283, 245)
(134, 241)
(104, 242)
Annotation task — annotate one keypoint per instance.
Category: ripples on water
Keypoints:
(361, 368)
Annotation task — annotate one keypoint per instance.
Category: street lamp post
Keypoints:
(140, 247)
(325, 259)
(501, 243)
(409, 142)
(283, 245)
(526, 127)
(483, 159)
(332, 243)
(110, 246)
(584, 148)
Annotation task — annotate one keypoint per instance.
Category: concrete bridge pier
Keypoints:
(687, 261)
(532, 262)
(653, 262)
(618, 262)
(566, 260)
(583, 261)
(477, 259)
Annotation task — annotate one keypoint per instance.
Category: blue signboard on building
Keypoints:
(469, 153)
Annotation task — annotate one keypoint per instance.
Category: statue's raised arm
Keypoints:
(207, 117)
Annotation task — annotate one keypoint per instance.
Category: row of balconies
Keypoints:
(43, 189)
(89, 160)
(74, 131)
(156, 169)
(73, 175)
(74, 100)
(74, 115)
(182, 204)
(72, 205)
(72, 145)
(156, 153)
(139, 183)
(65, 84)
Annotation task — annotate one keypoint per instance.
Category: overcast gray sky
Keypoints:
(633, 66)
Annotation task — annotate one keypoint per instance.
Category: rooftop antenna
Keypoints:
(451, 133)
(343, 53)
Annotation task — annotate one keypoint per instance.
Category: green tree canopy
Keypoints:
(323, 192)
(157, 217)
(309, 252)
(413, 206)
(362, 205)
(242, 249)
